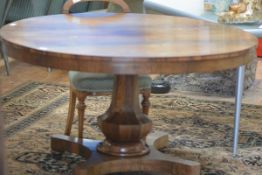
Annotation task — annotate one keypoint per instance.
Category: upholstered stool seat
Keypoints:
(93, 82)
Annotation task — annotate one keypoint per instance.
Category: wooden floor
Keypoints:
(22, 73)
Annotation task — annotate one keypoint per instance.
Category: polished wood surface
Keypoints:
(127, 43)
(74, 93)
(124, 125)
(81, 106)
(101, 164)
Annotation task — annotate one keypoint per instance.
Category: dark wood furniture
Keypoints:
(85, 84)
(126, 45)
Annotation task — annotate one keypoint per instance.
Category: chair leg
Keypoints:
(71, 112)
(49, 69)
(81, 112)
(7, 68)
(2, 48)
(145, 102)
(238, 98)
(5, 57)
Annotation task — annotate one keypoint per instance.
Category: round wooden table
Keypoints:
(126, 45)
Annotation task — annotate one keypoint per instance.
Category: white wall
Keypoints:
(194, 6)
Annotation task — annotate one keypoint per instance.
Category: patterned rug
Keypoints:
(198, 130)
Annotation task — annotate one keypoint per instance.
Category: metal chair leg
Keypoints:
(7, 8)
(238, 99)
(2, 47)
(5, 57)
(7, 68)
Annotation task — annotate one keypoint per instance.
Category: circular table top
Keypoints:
(127, 43)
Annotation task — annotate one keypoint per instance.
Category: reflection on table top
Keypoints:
(252, 27)
(164, 7)
(124, 39)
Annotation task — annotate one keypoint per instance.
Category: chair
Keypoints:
(84, 84)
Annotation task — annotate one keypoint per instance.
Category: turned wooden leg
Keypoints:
(146, 103)
(71, 112)
(81, 112)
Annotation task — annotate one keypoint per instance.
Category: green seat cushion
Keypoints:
(3, 5)
(21, 9)
(93, 82)
(79, 7)
(56, 7)
(86, 7)
(96, 5)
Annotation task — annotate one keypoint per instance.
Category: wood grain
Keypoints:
(127, 43)
(81, 95)
(124, 125)
(100, 164)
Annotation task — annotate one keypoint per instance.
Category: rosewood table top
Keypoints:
(126, 45)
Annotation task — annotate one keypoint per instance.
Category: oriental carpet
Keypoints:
(198, 130)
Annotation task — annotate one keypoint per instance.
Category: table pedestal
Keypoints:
(124, 124)
(125, 148)
(100, 164)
